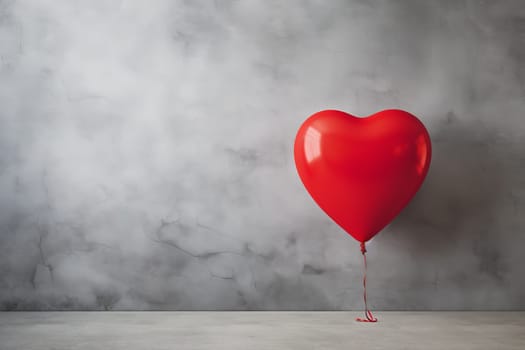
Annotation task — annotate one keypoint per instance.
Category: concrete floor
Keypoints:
(260, 330)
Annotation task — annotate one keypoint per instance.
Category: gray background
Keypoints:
(146, 153)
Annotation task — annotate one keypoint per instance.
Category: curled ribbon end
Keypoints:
(369, 317)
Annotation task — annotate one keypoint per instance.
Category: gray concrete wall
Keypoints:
(146, 153)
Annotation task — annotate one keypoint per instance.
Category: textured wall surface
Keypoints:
(146, 153)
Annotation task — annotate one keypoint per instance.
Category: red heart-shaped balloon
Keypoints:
(362, 171)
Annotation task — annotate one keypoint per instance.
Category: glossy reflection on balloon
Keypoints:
(312, 144)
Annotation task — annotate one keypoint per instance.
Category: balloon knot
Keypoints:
(363, 248)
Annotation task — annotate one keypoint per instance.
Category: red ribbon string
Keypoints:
(368, 313)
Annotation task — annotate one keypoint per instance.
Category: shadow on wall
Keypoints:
(464, 196)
